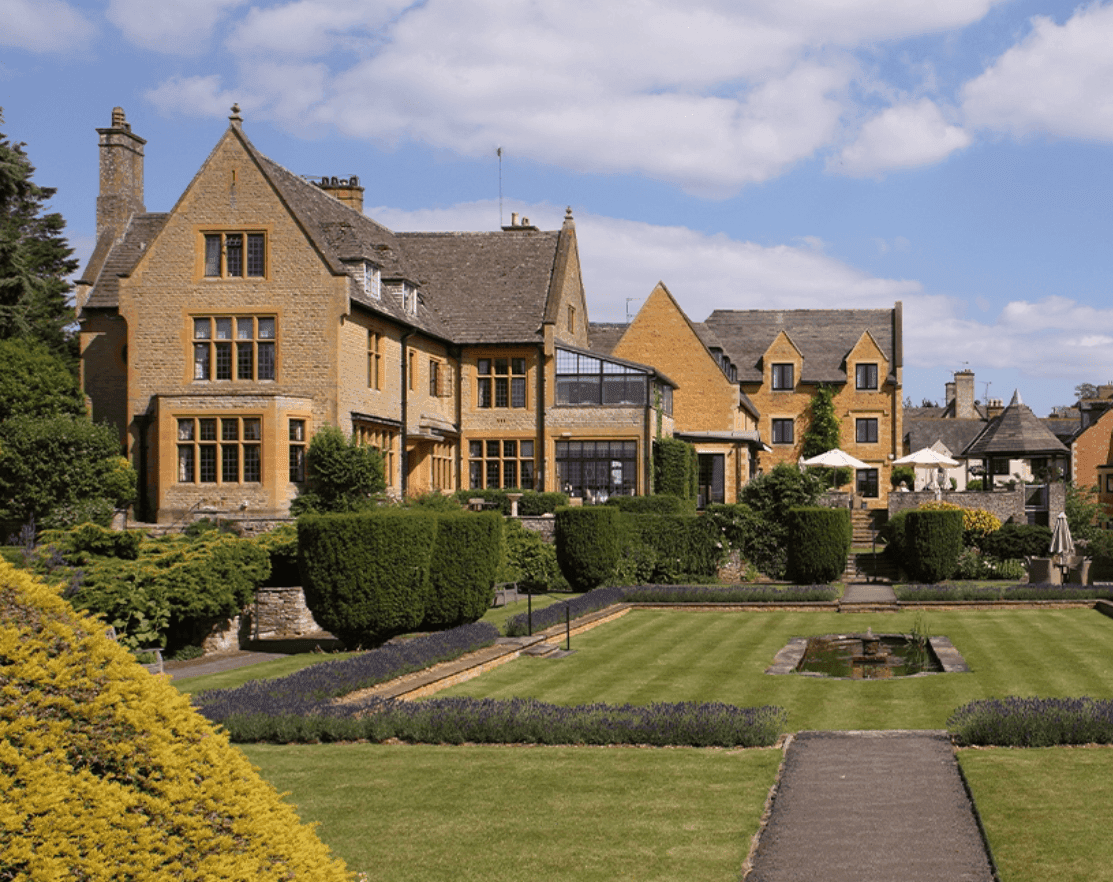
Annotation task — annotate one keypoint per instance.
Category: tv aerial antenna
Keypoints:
(499, 152)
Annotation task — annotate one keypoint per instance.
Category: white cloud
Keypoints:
(194, 96)
(311, 28)
(1058, 81)
(905, 136)
(43, 26)
(709, 95)
(170, 26)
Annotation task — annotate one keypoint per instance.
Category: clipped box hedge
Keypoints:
(932, 544)
(818, 544)
(587, 541)
(370, 576)
(106, 772)
(366, 576)
(678, 548)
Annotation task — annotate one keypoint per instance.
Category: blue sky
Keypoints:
(955, 155)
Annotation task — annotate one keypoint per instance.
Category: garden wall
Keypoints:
(1006, 504)
(543, 525)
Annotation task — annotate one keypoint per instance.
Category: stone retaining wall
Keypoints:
(1008, 505)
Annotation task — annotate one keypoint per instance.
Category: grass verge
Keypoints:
(689, 655)
(503, 814)
(1045, 810)
(268, 670)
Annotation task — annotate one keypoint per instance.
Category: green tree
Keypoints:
(35, 258)
(344, 475)
(771, 497)
(62, 470)
(1082, 510)
(823, 432)
(34, 382)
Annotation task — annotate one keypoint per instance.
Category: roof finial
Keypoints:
(235, 117)
(568, 213)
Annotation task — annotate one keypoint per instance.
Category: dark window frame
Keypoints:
(782, 376)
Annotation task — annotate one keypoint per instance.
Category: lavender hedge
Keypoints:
(520, 720)
(304, 691)
(599, 598)
(1033, 722)
(1044, 591)
(731, 594)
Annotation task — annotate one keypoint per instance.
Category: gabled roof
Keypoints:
(475, 287)
(486, 287)
(602, 337)
(824, 337)
(1017, 433)
(111, 261)
(956, 435)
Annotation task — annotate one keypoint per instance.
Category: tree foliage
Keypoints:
(823, 432)
(62, 470)
(35, 258)
(34, 382)
(344, 475)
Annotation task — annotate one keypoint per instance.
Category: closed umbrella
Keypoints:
(1062, 545)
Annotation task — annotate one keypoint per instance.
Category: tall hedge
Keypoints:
(366, 576)
(675, 468)
(661, 504)
(107, 773)
(465, 560)
(818, 544)
(672, 548)
(587, 541)
(933, 543)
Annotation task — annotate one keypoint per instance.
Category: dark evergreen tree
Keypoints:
(35, 258)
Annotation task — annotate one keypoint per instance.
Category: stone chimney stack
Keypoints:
(347, 190)
(121, 176)
(964, 396)
(949, 391)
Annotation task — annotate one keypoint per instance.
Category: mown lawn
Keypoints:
(505, 814)
(1046, 811)
(678, 655)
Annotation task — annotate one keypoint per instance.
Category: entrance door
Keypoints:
(712, 471)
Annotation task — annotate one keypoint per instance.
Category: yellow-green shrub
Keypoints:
(106, 773)
(977, 523)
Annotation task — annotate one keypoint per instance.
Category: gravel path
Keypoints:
(870, 807)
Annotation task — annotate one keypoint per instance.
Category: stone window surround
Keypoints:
(867, 376)
(250, 345)
(501, 382)
(219, 449)
(248, 258)
(785, 428)
(503, 459)
(782, 376)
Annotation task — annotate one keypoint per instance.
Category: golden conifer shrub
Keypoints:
(106, 773)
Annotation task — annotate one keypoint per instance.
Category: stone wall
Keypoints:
(543, 525)
(1008, 505)
(281, 612)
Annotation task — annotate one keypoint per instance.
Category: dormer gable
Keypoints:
(866, 365)
(782, 364)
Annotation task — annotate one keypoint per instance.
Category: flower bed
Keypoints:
(305, 691)
(1025, 591)
(732, 594)
(1033, 722)
(518, 720)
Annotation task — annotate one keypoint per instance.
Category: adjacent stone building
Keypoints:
(220, 335)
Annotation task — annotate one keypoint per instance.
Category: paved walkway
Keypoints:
(868, 593)
(874, 806)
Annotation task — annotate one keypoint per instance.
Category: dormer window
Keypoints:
(409, 299)
(783, 380)
(372, 281)
(865, 376)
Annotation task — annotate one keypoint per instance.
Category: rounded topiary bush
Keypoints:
(933, 543)
(587, 541)
(107, 773)
(465, 561)
(818, 543)
(1018, 541)
(366, 576)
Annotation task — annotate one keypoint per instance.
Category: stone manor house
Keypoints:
(217, 337)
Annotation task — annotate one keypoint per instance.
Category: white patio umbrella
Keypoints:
(927, 456)
(835, 459)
